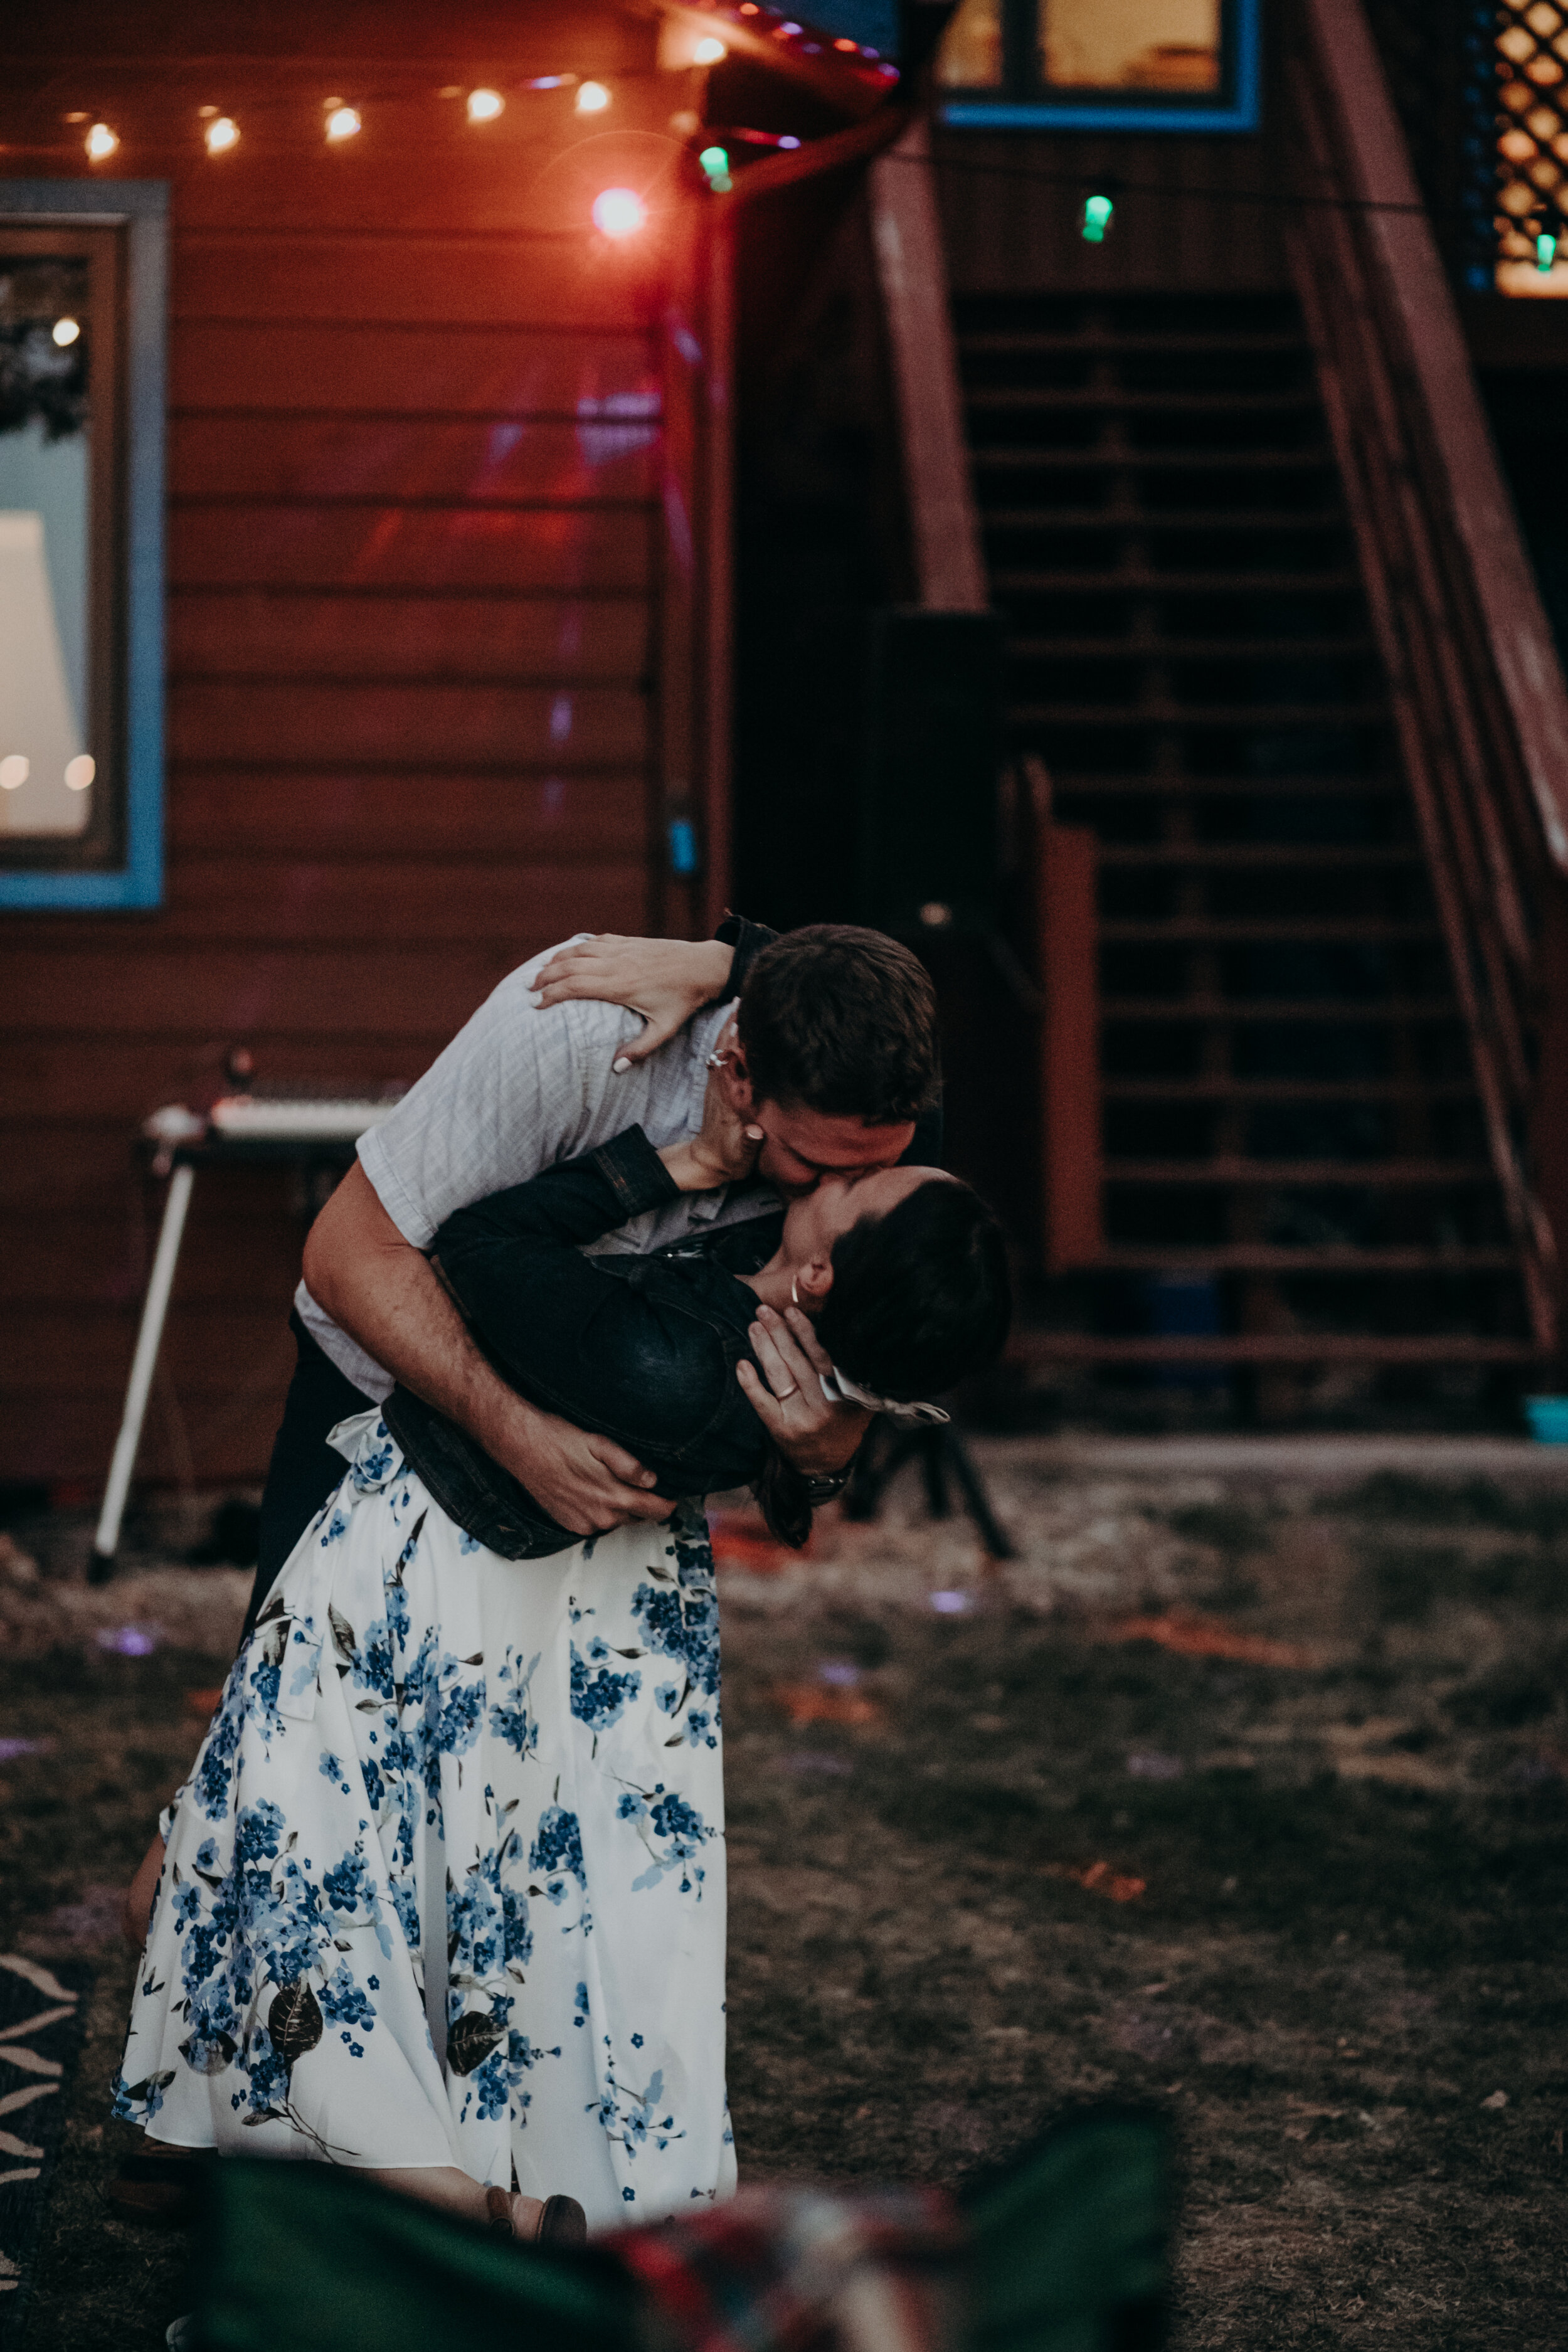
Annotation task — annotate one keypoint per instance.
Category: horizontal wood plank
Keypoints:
(67, 1438)
(411, 371)
(493, 463)
(410, 279)
(482, 725)
(401, 990)
(280, 633)
(355, 903)
(238, 1247)
(562, 817)
(567, 549)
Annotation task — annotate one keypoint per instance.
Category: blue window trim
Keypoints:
(141, 209)
(1241, 111)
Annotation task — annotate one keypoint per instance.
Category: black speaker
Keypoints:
(928, 799)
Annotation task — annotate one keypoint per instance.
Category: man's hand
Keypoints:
(385, 1294)
(816, 1438)
(667, 981)
(586, 1483)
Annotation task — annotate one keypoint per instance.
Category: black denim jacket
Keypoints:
(641, 1350)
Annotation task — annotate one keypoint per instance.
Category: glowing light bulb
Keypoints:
(100, 143)
(1097, 216)
(850, 49)
(592, 97)
(709, 51)
(65, 331)
(222, 133)
(344, 122)
(715, 159)
(15, 770)
(484, 105)
(618, 212)
(1545, 250)
(80, 771)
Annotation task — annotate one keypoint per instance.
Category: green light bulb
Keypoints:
(715, 162)
(1545, 249)
(1097, 213)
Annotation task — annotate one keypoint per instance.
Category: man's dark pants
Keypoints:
(304, 1470)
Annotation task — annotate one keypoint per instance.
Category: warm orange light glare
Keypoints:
(221, 135)
(100, 143)
(484, 105)
(592, 97)
(344, 122)
(618, 212)
(709, 51)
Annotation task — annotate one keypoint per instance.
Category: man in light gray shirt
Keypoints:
(551, 1065)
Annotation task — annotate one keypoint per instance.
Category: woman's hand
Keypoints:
(666, 981)
(725, 1150)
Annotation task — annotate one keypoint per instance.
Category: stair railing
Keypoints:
(1477, 689)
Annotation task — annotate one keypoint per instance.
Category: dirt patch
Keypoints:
(1355, 1881)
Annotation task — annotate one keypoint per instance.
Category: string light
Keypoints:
(100, 143)
(65, 331)
(709, 51)
(15, 770)
(80, 771)
(1097, 213)
(1545, 249)
(618, 212)
(484, 105)
(221, 134)
(592, 97)
(343, 121)
(715, 162)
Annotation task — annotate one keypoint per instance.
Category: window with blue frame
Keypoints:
(1102, 65)
(82, 301)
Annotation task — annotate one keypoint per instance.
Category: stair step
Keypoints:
(1273, 1347)
(1160, 711)
(1215, 930)
(1168, 649)
(1326, 1012)
(1096, 340)
(1249, 1091)
(1125, 516)
(999, 456)
(1263, 857)
(1246, 1257)
(1355, 1175)
(1065, 782)
(1009, 581)
(1113, 400)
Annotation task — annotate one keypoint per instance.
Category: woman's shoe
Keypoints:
(562, 2221)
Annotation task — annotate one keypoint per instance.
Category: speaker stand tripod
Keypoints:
(942, 1455)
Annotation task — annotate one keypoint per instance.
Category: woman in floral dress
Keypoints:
(444, 1895)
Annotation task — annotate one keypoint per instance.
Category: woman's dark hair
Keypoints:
(920, 1298)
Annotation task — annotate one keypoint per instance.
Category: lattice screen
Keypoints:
(1533, 147)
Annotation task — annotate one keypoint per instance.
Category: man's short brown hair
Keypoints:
(842, 1021)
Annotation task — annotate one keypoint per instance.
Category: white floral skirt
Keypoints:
(445, 1885)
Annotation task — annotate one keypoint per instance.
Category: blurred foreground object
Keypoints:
(1061, 2251)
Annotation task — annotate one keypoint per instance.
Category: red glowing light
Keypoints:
(851, 49)
(619, 212)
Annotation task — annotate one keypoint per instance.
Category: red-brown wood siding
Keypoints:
(416, 566)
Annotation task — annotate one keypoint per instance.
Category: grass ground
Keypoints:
(1349, 1940)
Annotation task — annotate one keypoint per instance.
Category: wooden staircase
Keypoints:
(1292, 1118)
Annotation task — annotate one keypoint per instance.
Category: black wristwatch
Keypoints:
(823, 1490)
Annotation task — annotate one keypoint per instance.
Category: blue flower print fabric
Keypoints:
(445, 1884)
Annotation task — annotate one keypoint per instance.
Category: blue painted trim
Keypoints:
(141, 207)
(1244, 112)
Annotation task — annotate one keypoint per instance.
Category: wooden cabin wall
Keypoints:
(412, 637)
(1193, 215)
